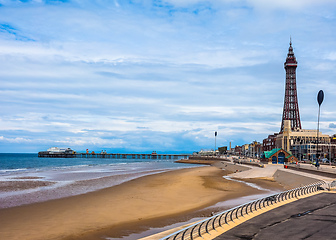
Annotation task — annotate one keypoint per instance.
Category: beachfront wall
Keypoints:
(278, 156)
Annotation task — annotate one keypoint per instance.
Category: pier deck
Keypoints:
(114, 155)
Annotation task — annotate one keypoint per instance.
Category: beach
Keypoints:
(129, 207)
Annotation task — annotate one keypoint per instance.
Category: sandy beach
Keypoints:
(128, 207)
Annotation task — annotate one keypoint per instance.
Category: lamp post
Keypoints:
(320, 97)
(330, 153)
(215, 142)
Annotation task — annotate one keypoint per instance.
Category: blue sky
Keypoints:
(142, 76)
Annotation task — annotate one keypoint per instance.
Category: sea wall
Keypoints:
(313, 171)
(218, 162)
(292, 180)
(231, 166)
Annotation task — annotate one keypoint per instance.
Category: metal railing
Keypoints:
(224, 218)
(332, 184)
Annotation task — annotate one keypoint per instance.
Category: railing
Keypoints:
(332, 184)
(224, 218)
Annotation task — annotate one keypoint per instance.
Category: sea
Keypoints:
(21, 162)
(26, 178)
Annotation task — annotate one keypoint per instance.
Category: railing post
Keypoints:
(184, 234)
(213, 222)
(206, 226)
(241, 212)
(260, 203)
(231, 215)
(199, 230)
(247, 206)
(221, 219)
(280, 197)
(225, 217)
(191, 233)
(237, 213)
(251, 207)
(256, 205)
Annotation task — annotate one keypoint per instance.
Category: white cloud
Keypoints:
(288, 4)
(137, 75)
(283, 4)
(16, 140)
(330, 56)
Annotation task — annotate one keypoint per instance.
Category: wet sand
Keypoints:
(9, 186)
(132, 206)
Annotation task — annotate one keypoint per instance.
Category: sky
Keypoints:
(159, 75)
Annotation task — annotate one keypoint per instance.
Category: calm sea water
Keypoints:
(11, 162)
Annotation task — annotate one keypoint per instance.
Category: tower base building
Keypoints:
(302, 143)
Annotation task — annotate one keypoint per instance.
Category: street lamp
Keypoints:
(215, 142)
(320, 97)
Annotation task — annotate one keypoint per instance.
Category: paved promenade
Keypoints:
(309, 218)
(313, 217)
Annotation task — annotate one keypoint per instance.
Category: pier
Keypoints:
(113, 155)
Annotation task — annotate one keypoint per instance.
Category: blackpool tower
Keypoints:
(291, 106)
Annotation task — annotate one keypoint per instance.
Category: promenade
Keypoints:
(295, 219)
(309, 218)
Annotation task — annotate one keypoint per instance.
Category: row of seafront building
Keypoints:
(292, 138)
(302, 144)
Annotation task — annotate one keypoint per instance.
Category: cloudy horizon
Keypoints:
(151, 75)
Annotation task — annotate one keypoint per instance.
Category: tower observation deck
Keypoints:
(291, 105)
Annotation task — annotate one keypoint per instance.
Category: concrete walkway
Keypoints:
(257, 172)
(309, 218)
(269, 170)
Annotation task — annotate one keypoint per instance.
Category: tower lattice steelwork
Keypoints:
(291, 106)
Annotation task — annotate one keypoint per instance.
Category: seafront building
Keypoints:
(294, 142)
(269, 142)
(300, 142)
(292, 138)
(278, 156)
(252, 150)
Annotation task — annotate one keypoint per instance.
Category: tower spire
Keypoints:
(291, 105)
(290, 40)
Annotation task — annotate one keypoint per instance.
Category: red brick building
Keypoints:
(269, 142)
